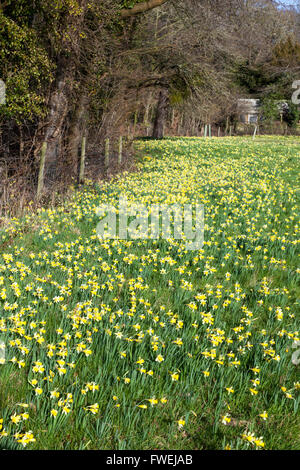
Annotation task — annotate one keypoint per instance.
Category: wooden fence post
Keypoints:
(82, 161)
(227, 125)
(41, 171)
(107, 153)
(120, 150)
(254, 133)
(135, 122)
(219, 131)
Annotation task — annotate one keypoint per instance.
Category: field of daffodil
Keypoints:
(141, 344)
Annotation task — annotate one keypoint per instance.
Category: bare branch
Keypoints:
(141, 8)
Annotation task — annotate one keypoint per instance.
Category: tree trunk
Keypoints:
(158, 129)
(76, 131)
(58, 106)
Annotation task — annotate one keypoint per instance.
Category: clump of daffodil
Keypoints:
(140, 328)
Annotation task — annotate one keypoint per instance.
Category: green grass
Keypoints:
(234, 305)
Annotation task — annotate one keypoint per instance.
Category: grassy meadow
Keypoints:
(142, 344)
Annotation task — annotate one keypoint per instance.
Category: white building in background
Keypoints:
(248, 110)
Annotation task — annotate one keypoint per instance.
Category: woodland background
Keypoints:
(109, 68)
